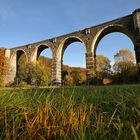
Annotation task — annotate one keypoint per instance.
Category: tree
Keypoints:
(21, 74)
(77, 79)
(73, 75)
(103, 67)
(38, 73)
(124, 59)
(69, 81)
(3, 62)
(3, 67)
(45, 65)
(125, 68)
(124, 55)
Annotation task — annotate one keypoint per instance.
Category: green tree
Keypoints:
(45, 65)
(38, 73)
(21, 75)
(77, 79)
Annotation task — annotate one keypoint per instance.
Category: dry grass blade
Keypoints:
(134, 132)
(112, 118)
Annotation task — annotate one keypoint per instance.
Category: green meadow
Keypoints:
(67, 113)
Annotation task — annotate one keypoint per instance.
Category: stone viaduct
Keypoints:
(89, 37)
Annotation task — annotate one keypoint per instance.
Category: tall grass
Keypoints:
(94, 112)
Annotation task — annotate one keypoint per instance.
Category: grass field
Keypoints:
(81, 113)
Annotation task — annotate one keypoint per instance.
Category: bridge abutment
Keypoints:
(11, 74)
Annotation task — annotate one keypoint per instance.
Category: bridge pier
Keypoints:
(136, 21)
(137, 52)
(56, 72)
(90, 68)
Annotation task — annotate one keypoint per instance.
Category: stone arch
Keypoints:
(14, 56)
(19, 53)
(42, 47)
(13, 62)
(65, 43)
(57, 58)
(110, 29)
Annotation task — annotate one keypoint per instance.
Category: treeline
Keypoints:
(73, 75)
(124, 70)
(40, 73)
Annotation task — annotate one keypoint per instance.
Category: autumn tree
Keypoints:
(123, 60)
(103, 67)
(3, 62)
(68, 80)
(73, 75)
(3, 66)
(125, 68)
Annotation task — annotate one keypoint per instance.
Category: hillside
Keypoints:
(70, 75)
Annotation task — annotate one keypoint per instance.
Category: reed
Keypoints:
(94, 112)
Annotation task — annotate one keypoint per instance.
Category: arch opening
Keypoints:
(21, 59)
(21, 67)
(44, 65)
(73, 62)
(69, 41)
(111, 43)
(117, 46)
(42, 51)
(109, 30)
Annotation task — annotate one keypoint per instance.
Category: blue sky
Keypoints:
(27, 21)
